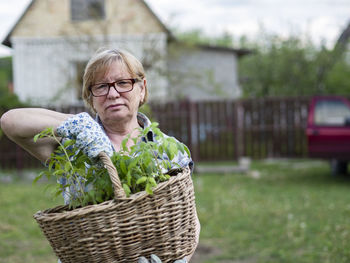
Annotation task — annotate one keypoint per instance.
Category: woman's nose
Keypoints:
(113, 93)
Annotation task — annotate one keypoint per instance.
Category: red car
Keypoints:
(328, 131)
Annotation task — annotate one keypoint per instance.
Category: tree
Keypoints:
(197, 36)
(7, 98)
(338, 81)
(292, 67)
(279, 66)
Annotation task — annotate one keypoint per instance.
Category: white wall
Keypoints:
(204, 74)
(44, 67)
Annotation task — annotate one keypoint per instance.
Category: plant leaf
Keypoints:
(36, 137)
(123, 166)
(126, 189)
(152, 181)
(37, 178)
(180, 146)
(67, 166)
(148, 189)
(187, 151)
(124, 142)
(141, 180)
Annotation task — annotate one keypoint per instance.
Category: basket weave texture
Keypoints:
(123, 229)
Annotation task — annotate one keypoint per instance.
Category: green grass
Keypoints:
(292, 211)
(20, 237)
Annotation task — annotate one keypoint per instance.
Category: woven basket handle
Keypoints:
(113, 174)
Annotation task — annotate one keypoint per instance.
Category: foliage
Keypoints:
(147, 110)
(279, 66)
(5, 70)
(139, 167)
(8, 100)
(68, 164)
(338, 80)
(292, 67)
(197, 36)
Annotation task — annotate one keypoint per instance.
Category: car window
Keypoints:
(331, 112)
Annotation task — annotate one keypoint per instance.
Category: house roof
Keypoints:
(171, 37)
(239, 52)
(158, 19)
(343, 38)
(7, 41)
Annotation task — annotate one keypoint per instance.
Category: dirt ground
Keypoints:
(204, 252)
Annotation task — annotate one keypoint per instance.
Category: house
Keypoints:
(53, 40)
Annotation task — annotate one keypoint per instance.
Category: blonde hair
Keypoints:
(100, 62)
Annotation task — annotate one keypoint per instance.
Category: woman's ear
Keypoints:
(143, 90)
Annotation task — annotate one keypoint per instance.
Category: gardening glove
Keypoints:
(155, 259)
(89, 136)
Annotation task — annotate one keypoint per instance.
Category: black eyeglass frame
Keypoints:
(113, 84)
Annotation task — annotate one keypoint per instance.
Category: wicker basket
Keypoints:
(124, 229)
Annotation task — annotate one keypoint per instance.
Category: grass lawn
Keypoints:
(281, 211)
(20, 237)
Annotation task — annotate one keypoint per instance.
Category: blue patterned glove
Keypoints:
(155, 259)
(88, 134)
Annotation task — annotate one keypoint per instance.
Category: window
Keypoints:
(331, 112)
(87, 9)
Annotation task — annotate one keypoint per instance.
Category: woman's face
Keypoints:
(117, 106)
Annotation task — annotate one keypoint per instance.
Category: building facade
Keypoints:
(53, 40)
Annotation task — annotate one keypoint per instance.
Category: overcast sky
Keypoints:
(321, 19)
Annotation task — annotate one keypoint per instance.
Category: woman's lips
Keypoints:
(115, 106)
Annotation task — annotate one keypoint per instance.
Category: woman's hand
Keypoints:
(88, 134)
(155, 259)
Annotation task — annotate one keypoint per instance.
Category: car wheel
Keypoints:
(339, 167)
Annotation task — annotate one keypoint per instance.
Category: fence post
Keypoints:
(238, 129)
(192, 141)
(19, 160)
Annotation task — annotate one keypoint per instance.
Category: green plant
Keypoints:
(68, 164)
(139, 167)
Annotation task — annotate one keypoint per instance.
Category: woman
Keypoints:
(114, 87)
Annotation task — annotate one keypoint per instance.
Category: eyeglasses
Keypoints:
(122, 86)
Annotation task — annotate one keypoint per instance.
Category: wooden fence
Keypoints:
(215, 130)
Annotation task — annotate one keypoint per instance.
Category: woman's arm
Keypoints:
(21, 125)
